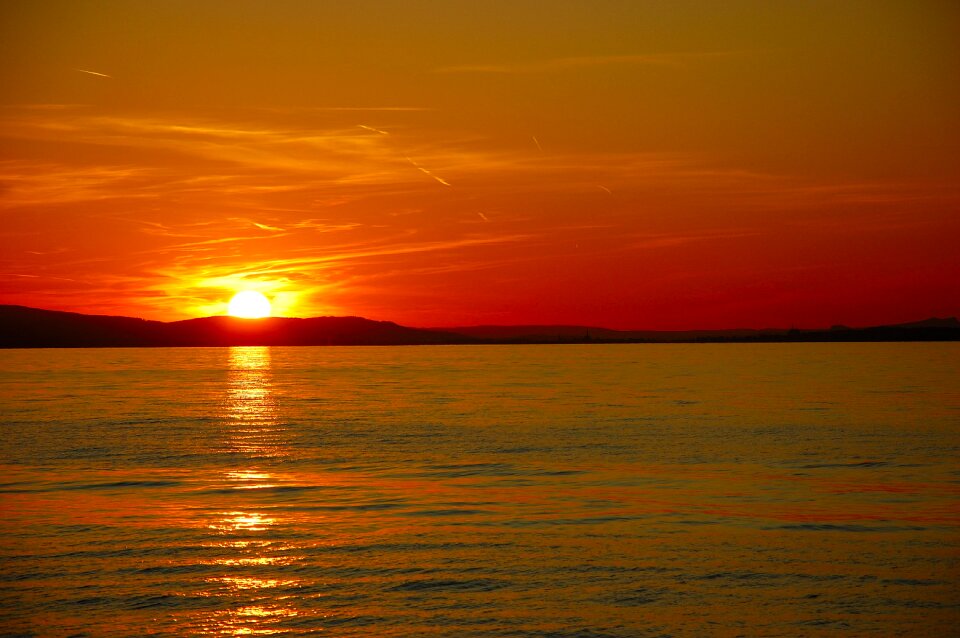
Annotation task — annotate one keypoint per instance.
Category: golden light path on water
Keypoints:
(251, 429)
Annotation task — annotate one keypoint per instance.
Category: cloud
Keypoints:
(275, 229)
(241, 168)
(672, 239)
(13, 274)
(580, 62)
(31, 183)
(345, 109)
(332, 150)
(185, 157)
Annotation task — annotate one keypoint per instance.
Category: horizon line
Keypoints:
(834, 326)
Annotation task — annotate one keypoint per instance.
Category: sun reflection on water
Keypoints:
(253, 436)
(234, 582)
(250, 480)
(243, 521)
(250, 620)
(250, 407)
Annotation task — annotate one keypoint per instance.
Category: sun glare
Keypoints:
(249, 304)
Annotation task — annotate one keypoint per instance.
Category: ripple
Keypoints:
(832, 527)
(450, 585)
(860, 464)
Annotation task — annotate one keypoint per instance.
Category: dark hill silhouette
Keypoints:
(933, 329)
(22, 327)
(561, 334)
(932, 322)
(317, 331)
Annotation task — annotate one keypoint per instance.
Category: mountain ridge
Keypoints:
(25, 327)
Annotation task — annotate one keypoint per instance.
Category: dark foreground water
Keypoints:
(583, 490)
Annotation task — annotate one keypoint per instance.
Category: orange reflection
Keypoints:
(249, 405)
(234, 582)
(252, 430)
(252, 620)
(243, 521)
(250, 480)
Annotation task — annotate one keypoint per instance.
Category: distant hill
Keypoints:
(933, 322)
(22, 327)
(934, 329)
(561, 334)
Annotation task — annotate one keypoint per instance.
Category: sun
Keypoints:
(249, 304)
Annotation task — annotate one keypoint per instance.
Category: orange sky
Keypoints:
(659, 165)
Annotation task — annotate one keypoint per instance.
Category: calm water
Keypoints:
(622, 490)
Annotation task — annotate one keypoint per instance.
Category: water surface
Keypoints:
(563, 490)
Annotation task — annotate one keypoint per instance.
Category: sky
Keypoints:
(625, 164)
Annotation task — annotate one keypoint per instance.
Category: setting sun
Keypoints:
(249, 304)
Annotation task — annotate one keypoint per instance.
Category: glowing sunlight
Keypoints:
(249, 304)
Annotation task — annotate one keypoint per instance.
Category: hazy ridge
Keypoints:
(23, 327)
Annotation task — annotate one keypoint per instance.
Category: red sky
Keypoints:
(622, 164)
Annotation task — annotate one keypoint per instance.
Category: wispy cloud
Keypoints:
(275, 229)
(579, 62)
(228, 160)
(347, 109)
(673, 239)
(29, 183)
(248, 166)
(24, 276)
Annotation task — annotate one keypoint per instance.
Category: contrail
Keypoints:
(439, 179)
(426, 172)
(103, 75)
(537, 142)
(483, 217)
(375, 130)
(601, 187)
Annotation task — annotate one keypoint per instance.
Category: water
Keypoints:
(581, 490)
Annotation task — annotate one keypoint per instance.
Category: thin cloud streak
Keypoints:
(428, 173)
(669, 240)
(13, 274)
(372, 129)
(579, 62)
(30, 183)
(102, 75)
